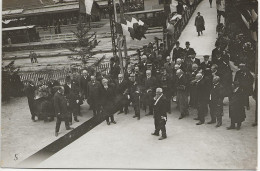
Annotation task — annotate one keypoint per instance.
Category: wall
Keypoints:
(152, 4)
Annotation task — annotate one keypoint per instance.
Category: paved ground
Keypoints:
(21, 137)
(129, 144)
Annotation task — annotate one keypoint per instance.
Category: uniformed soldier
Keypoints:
(149, 88)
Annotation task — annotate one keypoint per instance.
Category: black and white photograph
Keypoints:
(129, 84)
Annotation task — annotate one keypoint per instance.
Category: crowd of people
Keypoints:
(181, 78)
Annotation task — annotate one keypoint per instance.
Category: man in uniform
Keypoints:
(160, 114)
(61, 110)
(167, 85)
(216, 102)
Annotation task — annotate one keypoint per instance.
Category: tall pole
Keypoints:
(112, 25)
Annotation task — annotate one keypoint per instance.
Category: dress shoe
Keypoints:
(162, 138)
(196, 119)
(181, 117)
(108, 123)
(199, 123)
(138, 118)
(69, 128)
(218, 125)
(114, 122)
(155, 134)
(211, 122)
(148, 114)
(51, 119)
(126, 111)
(56, 134)
(120, 112)
(254, 124)
(238, 127)
(231, 127)
(134, 116)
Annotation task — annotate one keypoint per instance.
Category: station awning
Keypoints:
(18, 28)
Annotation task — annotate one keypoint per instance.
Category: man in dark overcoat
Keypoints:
(215, 53)
(182, 93)
(167, 84)
(94, 89)
(246, 80)
(199, 23)
(203, 98)
(149, 88)
(84, 80)
(216, 102)
(135, 95)
(61, 110)
(237, 112)
(30, 92)
(121, 85)
(107, 99)
(193, 87)
(160, 114)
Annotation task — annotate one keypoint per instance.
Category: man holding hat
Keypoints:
(160, 115)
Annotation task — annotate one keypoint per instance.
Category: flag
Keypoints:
(85, 6)
(131, 26)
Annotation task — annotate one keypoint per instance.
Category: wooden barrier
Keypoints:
(58, 75)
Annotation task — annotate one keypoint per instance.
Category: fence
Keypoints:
(58, 75)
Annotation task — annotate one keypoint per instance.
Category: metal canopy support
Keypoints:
(112, 26)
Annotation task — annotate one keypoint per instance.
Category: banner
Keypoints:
(85, 6)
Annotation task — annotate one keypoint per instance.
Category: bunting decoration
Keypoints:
(130, 26)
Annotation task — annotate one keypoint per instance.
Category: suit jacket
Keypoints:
(206, 67)
(177, 53)
(30, 91)
(169, 68)
(188, 52)
(182, 83)
(121, 87)
(215, 53)
(150, 83)
(188, 64)
(94, 92)
(160, 108)
(217, 96)
(60, 105)
(83, 83)
(245, 80)
(203, 88)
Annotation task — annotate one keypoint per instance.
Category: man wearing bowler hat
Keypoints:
(188, 50)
